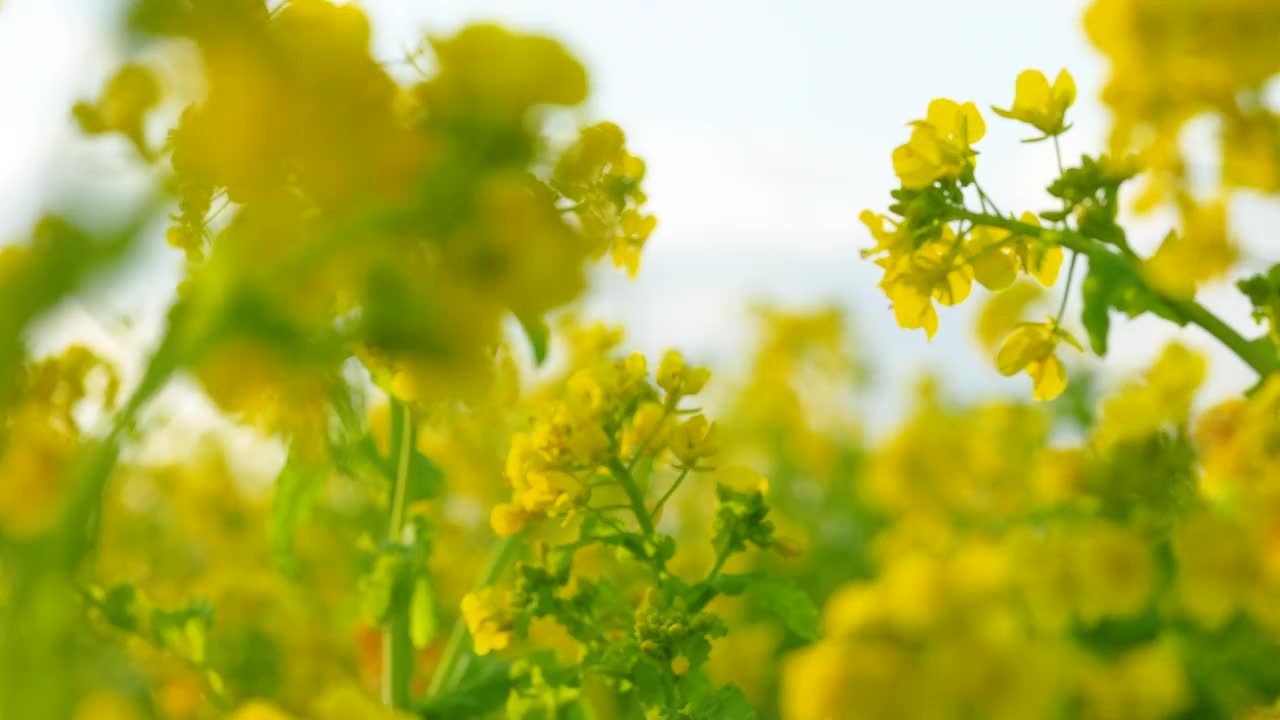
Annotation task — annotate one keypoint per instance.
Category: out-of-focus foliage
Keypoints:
(484, 507)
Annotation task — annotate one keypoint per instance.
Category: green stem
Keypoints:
(633, 494)
(397, 646)
(1189, 310)
(657, 508)
(456, 656)
(1066, 290)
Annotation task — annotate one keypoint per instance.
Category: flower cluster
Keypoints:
(609, 416)
(1019, 581)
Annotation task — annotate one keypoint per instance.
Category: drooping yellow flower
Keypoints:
(693, 440)
(1003, 311)
(1031, 347)
(934, 271)
(940, 145)
(1039, 105)
(488, 619)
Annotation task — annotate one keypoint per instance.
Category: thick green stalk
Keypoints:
(1190, 310)
(453, 663)
(397, 646)
(634, 495)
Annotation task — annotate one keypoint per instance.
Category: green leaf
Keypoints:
(482, 690)
(294, 490)
(727, 703)
(1112, 283)
(787, 602)
(539, 337)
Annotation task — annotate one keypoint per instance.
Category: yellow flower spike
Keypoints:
(488, 619)
(1039, 105)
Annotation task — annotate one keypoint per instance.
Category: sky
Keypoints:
(767, 128)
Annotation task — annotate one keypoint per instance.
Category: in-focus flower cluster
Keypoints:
(610, 415)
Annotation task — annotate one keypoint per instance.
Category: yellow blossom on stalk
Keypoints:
(647, 430)
(1031, 347)
(693, 440)
(894, 240)
(994, 262)
(488, 618)
(939, 148)
(1038, 104)
(636, 229)
(934, 271)
(1003, 311)
(259, 710)
(677, 378)
(1202, 251)
(1041, 259)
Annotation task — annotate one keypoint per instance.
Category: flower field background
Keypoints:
(435, 482)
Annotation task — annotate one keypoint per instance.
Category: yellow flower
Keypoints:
(677, 378)
(1218, 569)
(645, 430)
(259, 710)
(488, 619)
(994, 261)
(1116, 572)
(743, 480)
(1201, 252)
(693, 440)
(1031, 347)
(1002, 312)
(1039, 105)
(1042, 260)
(680, 666)
(894, 241)
(932, 272)
(507, 519)
(939, 148)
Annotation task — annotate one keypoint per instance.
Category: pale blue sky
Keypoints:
(767, 128)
